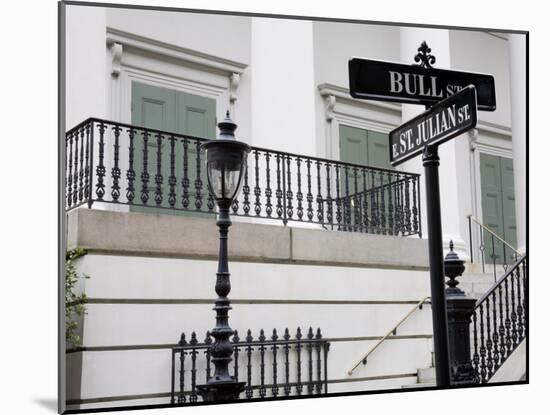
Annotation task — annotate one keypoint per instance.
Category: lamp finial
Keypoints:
(227, 127)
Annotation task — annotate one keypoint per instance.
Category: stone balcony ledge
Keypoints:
(144, 234)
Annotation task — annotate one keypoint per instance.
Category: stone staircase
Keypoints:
(476, 283)
(513, 369)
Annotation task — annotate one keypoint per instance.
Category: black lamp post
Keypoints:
(225, 166)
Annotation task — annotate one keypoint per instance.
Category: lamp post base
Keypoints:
(221, 391)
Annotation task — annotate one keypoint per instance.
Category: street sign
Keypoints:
(415, 84)
(454, 98)
(445, 120)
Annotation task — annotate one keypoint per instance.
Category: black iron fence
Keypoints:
(270, 366)
(123, 164)
(500, 321)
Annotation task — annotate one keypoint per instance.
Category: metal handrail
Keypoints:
(494, 234)
(392, 331)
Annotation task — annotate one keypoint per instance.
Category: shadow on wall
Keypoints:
(48, 403)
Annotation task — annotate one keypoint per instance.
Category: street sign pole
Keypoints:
(452, 99)
(422, 135)
(430, 159)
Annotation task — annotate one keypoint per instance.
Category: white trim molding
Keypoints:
(137, 58)
(179, 53)
(116, 57)
(341, 109)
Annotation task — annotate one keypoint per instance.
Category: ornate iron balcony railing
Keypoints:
(123, 164)
(499, 323)
(278, 367)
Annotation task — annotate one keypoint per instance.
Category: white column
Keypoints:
(516, 44)
(283, 100)
(438, 40)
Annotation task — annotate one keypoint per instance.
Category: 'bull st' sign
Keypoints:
(414, 84)
(443, 121)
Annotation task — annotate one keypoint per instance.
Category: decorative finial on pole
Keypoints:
(424, 57)
(454, 267)
(227, 128)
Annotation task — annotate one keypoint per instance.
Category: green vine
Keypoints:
(75, 305)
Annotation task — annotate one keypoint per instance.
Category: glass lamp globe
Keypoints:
(225, 164)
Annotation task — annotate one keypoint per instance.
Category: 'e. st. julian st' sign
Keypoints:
(445, 120)
(415, 84)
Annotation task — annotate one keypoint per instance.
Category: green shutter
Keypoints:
(196, 115)
(508, 204)
(367, 148)
(497, 204)
(353, 145)
(378, 154)
(170, 110)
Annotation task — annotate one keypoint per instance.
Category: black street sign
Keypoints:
(454, 105)
(414, 84)
(445, 120)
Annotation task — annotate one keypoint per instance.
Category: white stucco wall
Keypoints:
(335, 43)
(224, 36)
(518, 93)
(86, 77)
(483, 52)
(301, 295)
(153, 276)
(283, 91)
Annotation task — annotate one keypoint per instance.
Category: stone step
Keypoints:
(425, 378)
(478, 268)
(426, 375)
(476, 284)
(418, 385)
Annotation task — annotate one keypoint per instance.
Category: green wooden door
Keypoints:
(173, 111)
(498, 205)
(367, 148)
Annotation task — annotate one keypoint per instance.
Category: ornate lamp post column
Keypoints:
(459, 313)
(225, 166)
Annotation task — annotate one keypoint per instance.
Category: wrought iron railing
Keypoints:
(499, 323)
(278, 367)
(123, 164)
(492, 249)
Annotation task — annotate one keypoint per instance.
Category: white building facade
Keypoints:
(285, 83)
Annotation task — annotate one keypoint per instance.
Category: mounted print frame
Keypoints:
(239, 224)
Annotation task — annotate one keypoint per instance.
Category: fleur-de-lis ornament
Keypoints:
(424, 57)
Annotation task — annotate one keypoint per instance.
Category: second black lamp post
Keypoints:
(225, 167)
